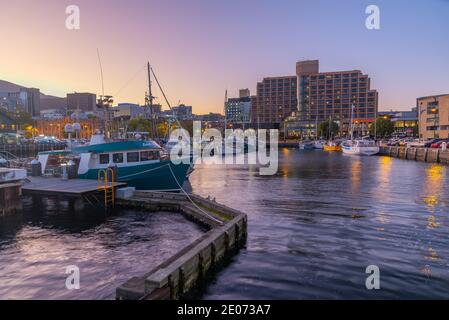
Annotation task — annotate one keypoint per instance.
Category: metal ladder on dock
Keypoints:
(106, 187)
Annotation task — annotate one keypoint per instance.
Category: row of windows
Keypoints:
(130, 157)
(337, 76)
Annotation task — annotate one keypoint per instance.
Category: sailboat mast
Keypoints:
(150, 100)
(352, 115)
(225, 117)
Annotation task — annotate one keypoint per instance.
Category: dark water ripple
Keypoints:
(38, 245)
(316, 225)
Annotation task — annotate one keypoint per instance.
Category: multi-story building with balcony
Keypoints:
(433, 115)
(337, 96)
(274, 101)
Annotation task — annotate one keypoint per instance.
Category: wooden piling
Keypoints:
(10, 200)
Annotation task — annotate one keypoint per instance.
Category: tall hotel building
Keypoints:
(332, 95)
(312, 97)
(275, 100)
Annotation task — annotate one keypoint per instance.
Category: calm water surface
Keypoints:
(38, 245)
(313, 230)
(317, 225)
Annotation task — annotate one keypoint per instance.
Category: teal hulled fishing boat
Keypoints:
(138, 163)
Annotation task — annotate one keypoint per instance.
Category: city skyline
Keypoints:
(197, 57)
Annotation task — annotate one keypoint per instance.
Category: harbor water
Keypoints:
(313, 229)
(37, 246)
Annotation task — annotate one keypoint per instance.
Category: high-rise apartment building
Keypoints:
(29, 99)
(274, 101)
(83, 101)
(337, 96)
(238, 109)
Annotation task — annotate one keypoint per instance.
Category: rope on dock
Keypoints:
(190, 199)
(180, 187)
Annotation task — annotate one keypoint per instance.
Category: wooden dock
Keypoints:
(181, 274)
(58, 186)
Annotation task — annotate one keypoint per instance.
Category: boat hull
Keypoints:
(306, 146)
(163, 175)
(361, 151)
(332, 148)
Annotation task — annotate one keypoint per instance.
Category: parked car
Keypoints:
(438, 144)
(430, 142)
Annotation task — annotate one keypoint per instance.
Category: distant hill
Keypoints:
(47, 101)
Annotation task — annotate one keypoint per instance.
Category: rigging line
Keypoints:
(190, 199)
(142, 172)
(130, 80)
(163, 94)
(101, 72)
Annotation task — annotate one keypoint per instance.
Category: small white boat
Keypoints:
(360, 147)
(306, 145)
(318, 144)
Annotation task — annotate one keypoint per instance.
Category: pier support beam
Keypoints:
(10, 198)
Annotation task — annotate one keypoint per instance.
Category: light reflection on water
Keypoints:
(315, 226)
(37, 246)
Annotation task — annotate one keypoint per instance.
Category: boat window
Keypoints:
(117, 157)
(104, 158)
(133, 157)
(149, 155)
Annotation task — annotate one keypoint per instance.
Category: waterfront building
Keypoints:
(182, 112)
(210, 117)
(129, 111)
(56, 127)
(405, 122)
(274, 101)
(244, 93)
(325, 95)
(312, 97)
(7, 124)
(237, 110)
(433, 115)
(52, 114)
(29, 99)
(82, 101)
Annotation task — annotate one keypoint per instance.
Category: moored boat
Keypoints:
(332, 146)
(138, 163)
(306, 145)
(360, 147)
(318, 144)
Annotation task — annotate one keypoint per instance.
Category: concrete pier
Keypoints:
(181, 274)
(430, 155)
(10, 200)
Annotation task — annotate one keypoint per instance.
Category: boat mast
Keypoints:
(225, 117)
(150, 100)
(165, 97)
(352, 115)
